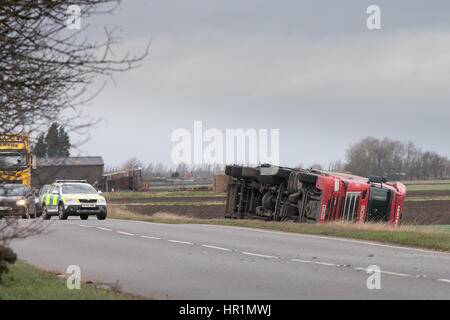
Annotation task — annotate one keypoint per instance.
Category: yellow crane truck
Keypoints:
(15, 158)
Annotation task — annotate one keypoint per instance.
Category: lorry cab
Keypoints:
(360, 199)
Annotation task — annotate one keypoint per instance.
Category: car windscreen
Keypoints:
(13, 160)
(44, 189)
(12, 191)
(379, 203)
(78, 188)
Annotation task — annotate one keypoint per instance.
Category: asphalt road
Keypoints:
(218, 262)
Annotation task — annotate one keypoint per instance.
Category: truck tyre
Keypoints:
(84, 217)
(228, 170)
(61, 213)
(273, 179)
(45, 214)
(249, 173)
(236, 171)
(307, 178)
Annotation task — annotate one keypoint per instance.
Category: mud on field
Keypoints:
(427, 193)
(426, 212)
(167, 199)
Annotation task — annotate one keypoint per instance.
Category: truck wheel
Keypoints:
(45, 214)
(84, 217)
(307, 178)
(62, 215)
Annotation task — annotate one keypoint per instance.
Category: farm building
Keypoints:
(71, 168)
(126, 179)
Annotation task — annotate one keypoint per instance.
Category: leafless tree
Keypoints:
(132, 163)
(395, 159)
(47, 70)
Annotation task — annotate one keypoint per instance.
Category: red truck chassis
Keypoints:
(307, 195)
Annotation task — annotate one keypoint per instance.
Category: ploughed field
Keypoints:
(426, 203)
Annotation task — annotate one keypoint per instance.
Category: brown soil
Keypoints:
(426, 212)
(427, 184)
(427, 193)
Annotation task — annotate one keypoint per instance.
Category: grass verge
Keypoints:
(411, 236)
(26, 282)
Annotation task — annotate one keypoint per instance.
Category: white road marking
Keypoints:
(182, 242)
(258, 255)
(85, 226)
(324, 263)
(148, 237)
(327, 238)
(315, 262)
(125, 233)
(386, 272)
(214, 247)
(302, 261)
(444, 280)
(105, 229)
(360, 269)
(396, 273)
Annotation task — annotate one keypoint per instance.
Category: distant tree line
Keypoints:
(394, 159)
(370, 156)
(161, 170)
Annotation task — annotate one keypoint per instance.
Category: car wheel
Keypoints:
(45, 214)
(62, 215)
(101, 216)
(34, 216)
(26, 215)
(84, 217)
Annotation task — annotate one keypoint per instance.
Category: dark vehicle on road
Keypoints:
(17, 200)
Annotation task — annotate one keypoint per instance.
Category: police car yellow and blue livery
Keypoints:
(73, 198)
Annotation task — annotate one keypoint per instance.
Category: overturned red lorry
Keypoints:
(307, 195)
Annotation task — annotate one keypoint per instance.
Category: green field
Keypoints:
(26, 282)
(428, 187)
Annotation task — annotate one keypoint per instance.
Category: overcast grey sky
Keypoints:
(309, 68)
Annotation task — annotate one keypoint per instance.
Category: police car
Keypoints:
(73, 198)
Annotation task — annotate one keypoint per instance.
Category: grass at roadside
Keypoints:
(26, 282)
(413, 236)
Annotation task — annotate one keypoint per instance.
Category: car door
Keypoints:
(52, 199)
